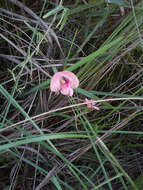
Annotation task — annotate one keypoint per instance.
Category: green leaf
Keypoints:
(118, 2)
(40, 138)
(93, 55)
(54, 11)
(14, 103)
(139, 182)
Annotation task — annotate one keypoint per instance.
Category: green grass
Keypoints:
(51, 141)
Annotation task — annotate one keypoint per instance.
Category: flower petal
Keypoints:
(90, 104)
(70, 92)
(57, 82)
(67, 91)
(96, 108)
(55, 85)
(74, 82)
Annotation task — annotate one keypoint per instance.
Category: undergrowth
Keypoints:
(55, 142)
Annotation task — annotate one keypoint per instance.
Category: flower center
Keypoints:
(65, 83)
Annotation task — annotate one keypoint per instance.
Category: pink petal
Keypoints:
(90, 104)
(55, 85)
(96, 108)
(71, 92)
(74, 82)
(67, 91)
(67, 88)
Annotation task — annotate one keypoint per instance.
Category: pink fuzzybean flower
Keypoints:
(64, 82)
(91, 104)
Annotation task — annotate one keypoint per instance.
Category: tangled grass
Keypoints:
(55, 142)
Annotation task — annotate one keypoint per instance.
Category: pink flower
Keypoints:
(90, 104)
(64, 82)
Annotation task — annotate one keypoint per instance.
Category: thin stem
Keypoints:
(71, 106)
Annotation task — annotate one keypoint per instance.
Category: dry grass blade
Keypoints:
(61, 141)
